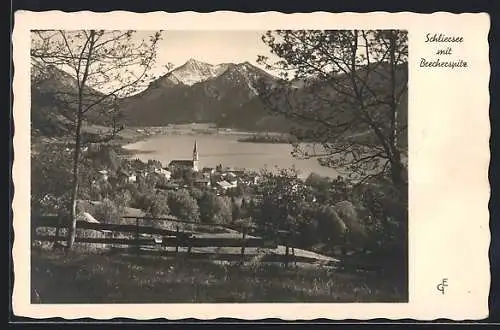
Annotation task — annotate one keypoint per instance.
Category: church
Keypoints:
(192, 164)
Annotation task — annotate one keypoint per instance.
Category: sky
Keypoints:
(213, 47)
(209, 46)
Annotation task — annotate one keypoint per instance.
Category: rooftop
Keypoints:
(181, 162)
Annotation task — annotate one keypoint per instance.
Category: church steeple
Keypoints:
(195, 152)
(196, 162)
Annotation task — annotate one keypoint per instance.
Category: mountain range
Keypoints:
(225, 94)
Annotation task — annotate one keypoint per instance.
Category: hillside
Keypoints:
(323, 104)
(54, 96)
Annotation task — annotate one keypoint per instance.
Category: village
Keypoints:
(118, 189)
(183, 174)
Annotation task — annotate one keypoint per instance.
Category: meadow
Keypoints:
(79, 277)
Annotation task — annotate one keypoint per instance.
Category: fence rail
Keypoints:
(167, 241)
(54, 222)
(168, 238)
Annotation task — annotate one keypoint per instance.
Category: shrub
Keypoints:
(183, 205)
(106, 212)
(331, 227)
(356, 233)
(156, 205)
(215, 209)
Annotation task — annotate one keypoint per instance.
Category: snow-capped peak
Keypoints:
(194, 71)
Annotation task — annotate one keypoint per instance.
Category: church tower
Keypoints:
(195, 157)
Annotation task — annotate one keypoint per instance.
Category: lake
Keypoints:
(225, 149)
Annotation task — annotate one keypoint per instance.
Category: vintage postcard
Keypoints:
(252, 166)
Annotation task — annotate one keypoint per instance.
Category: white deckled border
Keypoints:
(449, 157)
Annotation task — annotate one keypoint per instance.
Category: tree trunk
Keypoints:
(394, 109)
(74, 192)
(398, 170)
(79, 119)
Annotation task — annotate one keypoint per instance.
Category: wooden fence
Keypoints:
(167, 238)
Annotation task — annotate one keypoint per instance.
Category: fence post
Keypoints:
(177, 240)
(288, 243)
(56, 235)
(189, 245)
(286, 255)
(138, 247)
(243, 246)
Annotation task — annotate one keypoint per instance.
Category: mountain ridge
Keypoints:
(226, 94)
(197, 92)
(194, 71)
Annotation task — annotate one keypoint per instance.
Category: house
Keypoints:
(125, 176)
(217, 176)
(202, 183)
(227, 176)
(183, 163)
(86, 217)
(254, 179)
(250, 179)
(208, 171)
(104, 175)
(238, 173)
(132, 178)
(231, 177)
(224, 185)
(164, 172)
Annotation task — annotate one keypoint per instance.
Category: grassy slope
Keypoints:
(87, 278)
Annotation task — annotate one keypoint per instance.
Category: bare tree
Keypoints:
(102, 67)
(346, 90)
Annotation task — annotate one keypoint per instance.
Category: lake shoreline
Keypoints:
(215, 146)
(221, 147)
(269, 138)
(135, 134)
